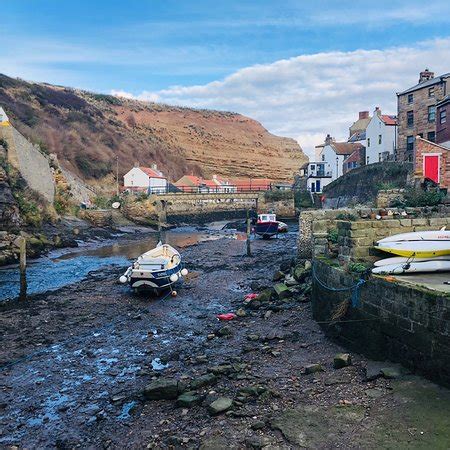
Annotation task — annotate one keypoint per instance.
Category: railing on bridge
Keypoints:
(241, 189)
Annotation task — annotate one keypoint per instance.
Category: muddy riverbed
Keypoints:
(75, 362)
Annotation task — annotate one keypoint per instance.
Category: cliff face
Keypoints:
(87, 131)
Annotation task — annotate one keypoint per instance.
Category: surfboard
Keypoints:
(439, 235)
(403, 260)
(426, 266)
(419, 249)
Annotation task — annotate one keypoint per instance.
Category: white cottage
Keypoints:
(381, 137)
(145, 179)
(3, 117)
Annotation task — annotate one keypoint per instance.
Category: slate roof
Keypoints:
(426, 83)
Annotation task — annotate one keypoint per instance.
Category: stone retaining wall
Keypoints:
(358, 230)
(393, 321)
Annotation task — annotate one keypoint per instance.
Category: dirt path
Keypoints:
(75, 364)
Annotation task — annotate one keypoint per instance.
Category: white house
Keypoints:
(335, 153)
(3, 117)
(145, 179)
(381, 137)
(318, 175)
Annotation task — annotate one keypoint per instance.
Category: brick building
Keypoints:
(443, 122)
(417, 112)
(432, 161)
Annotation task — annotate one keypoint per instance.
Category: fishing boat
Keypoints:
(266, 225)
(282, 227)
(156, 269)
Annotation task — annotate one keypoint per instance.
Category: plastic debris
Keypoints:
(251, 296)
(228, 316)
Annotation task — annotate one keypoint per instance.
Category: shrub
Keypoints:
(357, 268)
(346, 216)
(302, 199)
(333, 235)
(101, 202)
(418, 197)
(4, 144)
(276, 195)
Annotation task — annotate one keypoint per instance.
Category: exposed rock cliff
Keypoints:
(87, 131)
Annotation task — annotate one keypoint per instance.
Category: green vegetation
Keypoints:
(92, 168)
(357, 268)
(29, 210)
(302, 199)
(418, 197)
(388, 185)
(106, 98)
(102, 202)
(333, 235)
(4, 144)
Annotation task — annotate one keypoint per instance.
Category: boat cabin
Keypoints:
(267, 218)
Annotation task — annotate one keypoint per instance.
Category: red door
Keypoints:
(431, 167)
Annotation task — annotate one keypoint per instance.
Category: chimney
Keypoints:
(377, 111)
(425, 76)
(214, 177)
(136, 164)
(328, 140)
(363, 115)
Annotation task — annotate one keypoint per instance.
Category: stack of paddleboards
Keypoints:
(422, 251)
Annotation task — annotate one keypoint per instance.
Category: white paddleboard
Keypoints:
(403, 260)
(426, 266)
(419, 249)
(439, 235)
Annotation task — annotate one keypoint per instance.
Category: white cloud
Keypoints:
(308, 96)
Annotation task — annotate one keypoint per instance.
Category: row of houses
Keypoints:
(153, 181)
(418, 133)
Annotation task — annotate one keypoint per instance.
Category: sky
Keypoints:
(301, 68)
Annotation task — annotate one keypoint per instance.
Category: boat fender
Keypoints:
(174, 293)
(184, 272)
(228, 316)
(123, 279)
(173, 277)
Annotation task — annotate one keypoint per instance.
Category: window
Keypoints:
(323, 157)
(410, 98)
(368, 142)
(431, 113)
(431, 91)
(380, 157)
(368, 159)
(443, 116)
(313, 167)
(410, 118)
(410, 143)
(431, 136)
(379, 139)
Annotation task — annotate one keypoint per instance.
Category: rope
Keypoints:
(355, 288)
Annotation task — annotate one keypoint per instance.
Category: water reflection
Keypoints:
(58, 270)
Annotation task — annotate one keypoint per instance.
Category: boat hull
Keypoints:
(154, 280)
(266, 229)
(403, 260)
(439, 235)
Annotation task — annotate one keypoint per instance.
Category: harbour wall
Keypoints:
(391, 321)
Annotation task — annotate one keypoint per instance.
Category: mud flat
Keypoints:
(93, 366)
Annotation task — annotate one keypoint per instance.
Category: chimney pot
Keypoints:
(154, 167)
(425, 76)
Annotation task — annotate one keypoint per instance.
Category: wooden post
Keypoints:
(23, 268)
(249, 251)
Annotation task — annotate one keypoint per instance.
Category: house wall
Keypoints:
(420, 108)
(443, 129)
(424, 147)
(335, 161)
(374, 129)
(158, 185)
(136, 178)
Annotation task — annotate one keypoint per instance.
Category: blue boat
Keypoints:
(156, 269)
(266, 226)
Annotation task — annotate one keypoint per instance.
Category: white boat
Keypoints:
(413, 267)
(439, 235)
(403, 260)
(156, 269)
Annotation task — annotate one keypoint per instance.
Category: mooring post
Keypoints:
(23, 268)
(249, 251)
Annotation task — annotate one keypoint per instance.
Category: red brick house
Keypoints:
(432, 161)
(356, 159)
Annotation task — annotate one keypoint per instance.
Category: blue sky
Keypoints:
(186, 51)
